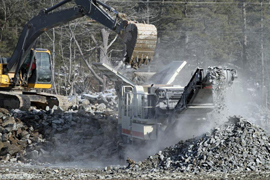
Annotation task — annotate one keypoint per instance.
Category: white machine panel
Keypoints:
(141, 131)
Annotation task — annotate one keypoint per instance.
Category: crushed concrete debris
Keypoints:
(235, 146)
(101, 104)
(88, 133)
(53, 135)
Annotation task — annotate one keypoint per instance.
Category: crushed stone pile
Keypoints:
(56, 136)
(16, 136)
(235, 146)
(98, 104)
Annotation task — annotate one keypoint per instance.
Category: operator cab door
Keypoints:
(40, 72)
(127, 101)
(126, 109)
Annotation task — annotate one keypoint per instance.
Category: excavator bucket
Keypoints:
(140, 40)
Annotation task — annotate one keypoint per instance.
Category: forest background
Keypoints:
(204, 33)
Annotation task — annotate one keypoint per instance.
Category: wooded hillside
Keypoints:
(216, 32)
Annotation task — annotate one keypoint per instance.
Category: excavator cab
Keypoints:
(140, 40)
(38, 69)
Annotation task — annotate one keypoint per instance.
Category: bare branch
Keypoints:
(112, 41)
(91, 49)
(94, 39)
(81, 53)
(48, 36)
(114, 50)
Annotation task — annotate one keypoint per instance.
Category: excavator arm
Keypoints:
(140, 39)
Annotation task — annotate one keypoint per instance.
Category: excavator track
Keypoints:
(23, 101)
(41, 100)
(58, 100)
(14, 100)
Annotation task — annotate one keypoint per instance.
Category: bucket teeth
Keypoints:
(140, 40)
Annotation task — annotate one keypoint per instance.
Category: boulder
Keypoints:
(9, 121)
(13, 149)
(85, 102)
(101, 107)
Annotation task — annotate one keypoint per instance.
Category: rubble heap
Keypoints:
(15, 137)
(235, 146)
(56, 136)
(98, 103)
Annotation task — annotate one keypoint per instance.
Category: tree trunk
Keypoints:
(71, 92)
(53, 64)
(264, 93)
(104, 52)
(53, 59)
(4, 8)
(70, 60)
(85, 60)
(104, 48)
(244, 44)
(147, 11)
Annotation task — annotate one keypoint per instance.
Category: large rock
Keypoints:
(9, 121)
(4, 148)
(4, 111)
(85, 102)
(13, 149)
(101, 107)
(90, 97)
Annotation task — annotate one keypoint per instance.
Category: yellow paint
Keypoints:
(4, 80)
(46, 51)
(40, 86)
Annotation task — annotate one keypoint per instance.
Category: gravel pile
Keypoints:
(87, 131)
(56, 136)
(235, 146)
(17, 135)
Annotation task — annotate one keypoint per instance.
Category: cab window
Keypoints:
(43, 67)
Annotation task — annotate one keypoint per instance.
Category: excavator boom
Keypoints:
(140, 40)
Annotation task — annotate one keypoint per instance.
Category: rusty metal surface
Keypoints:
(140, 40)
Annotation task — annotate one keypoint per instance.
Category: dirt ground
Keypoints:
(28, 171)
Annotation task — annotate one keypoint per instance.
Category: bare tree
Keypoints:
(264, 93)
(85, 60)
(103, 53)
(244, 28)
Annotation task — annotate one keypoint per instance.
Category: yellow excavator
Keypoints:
(30, 68)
